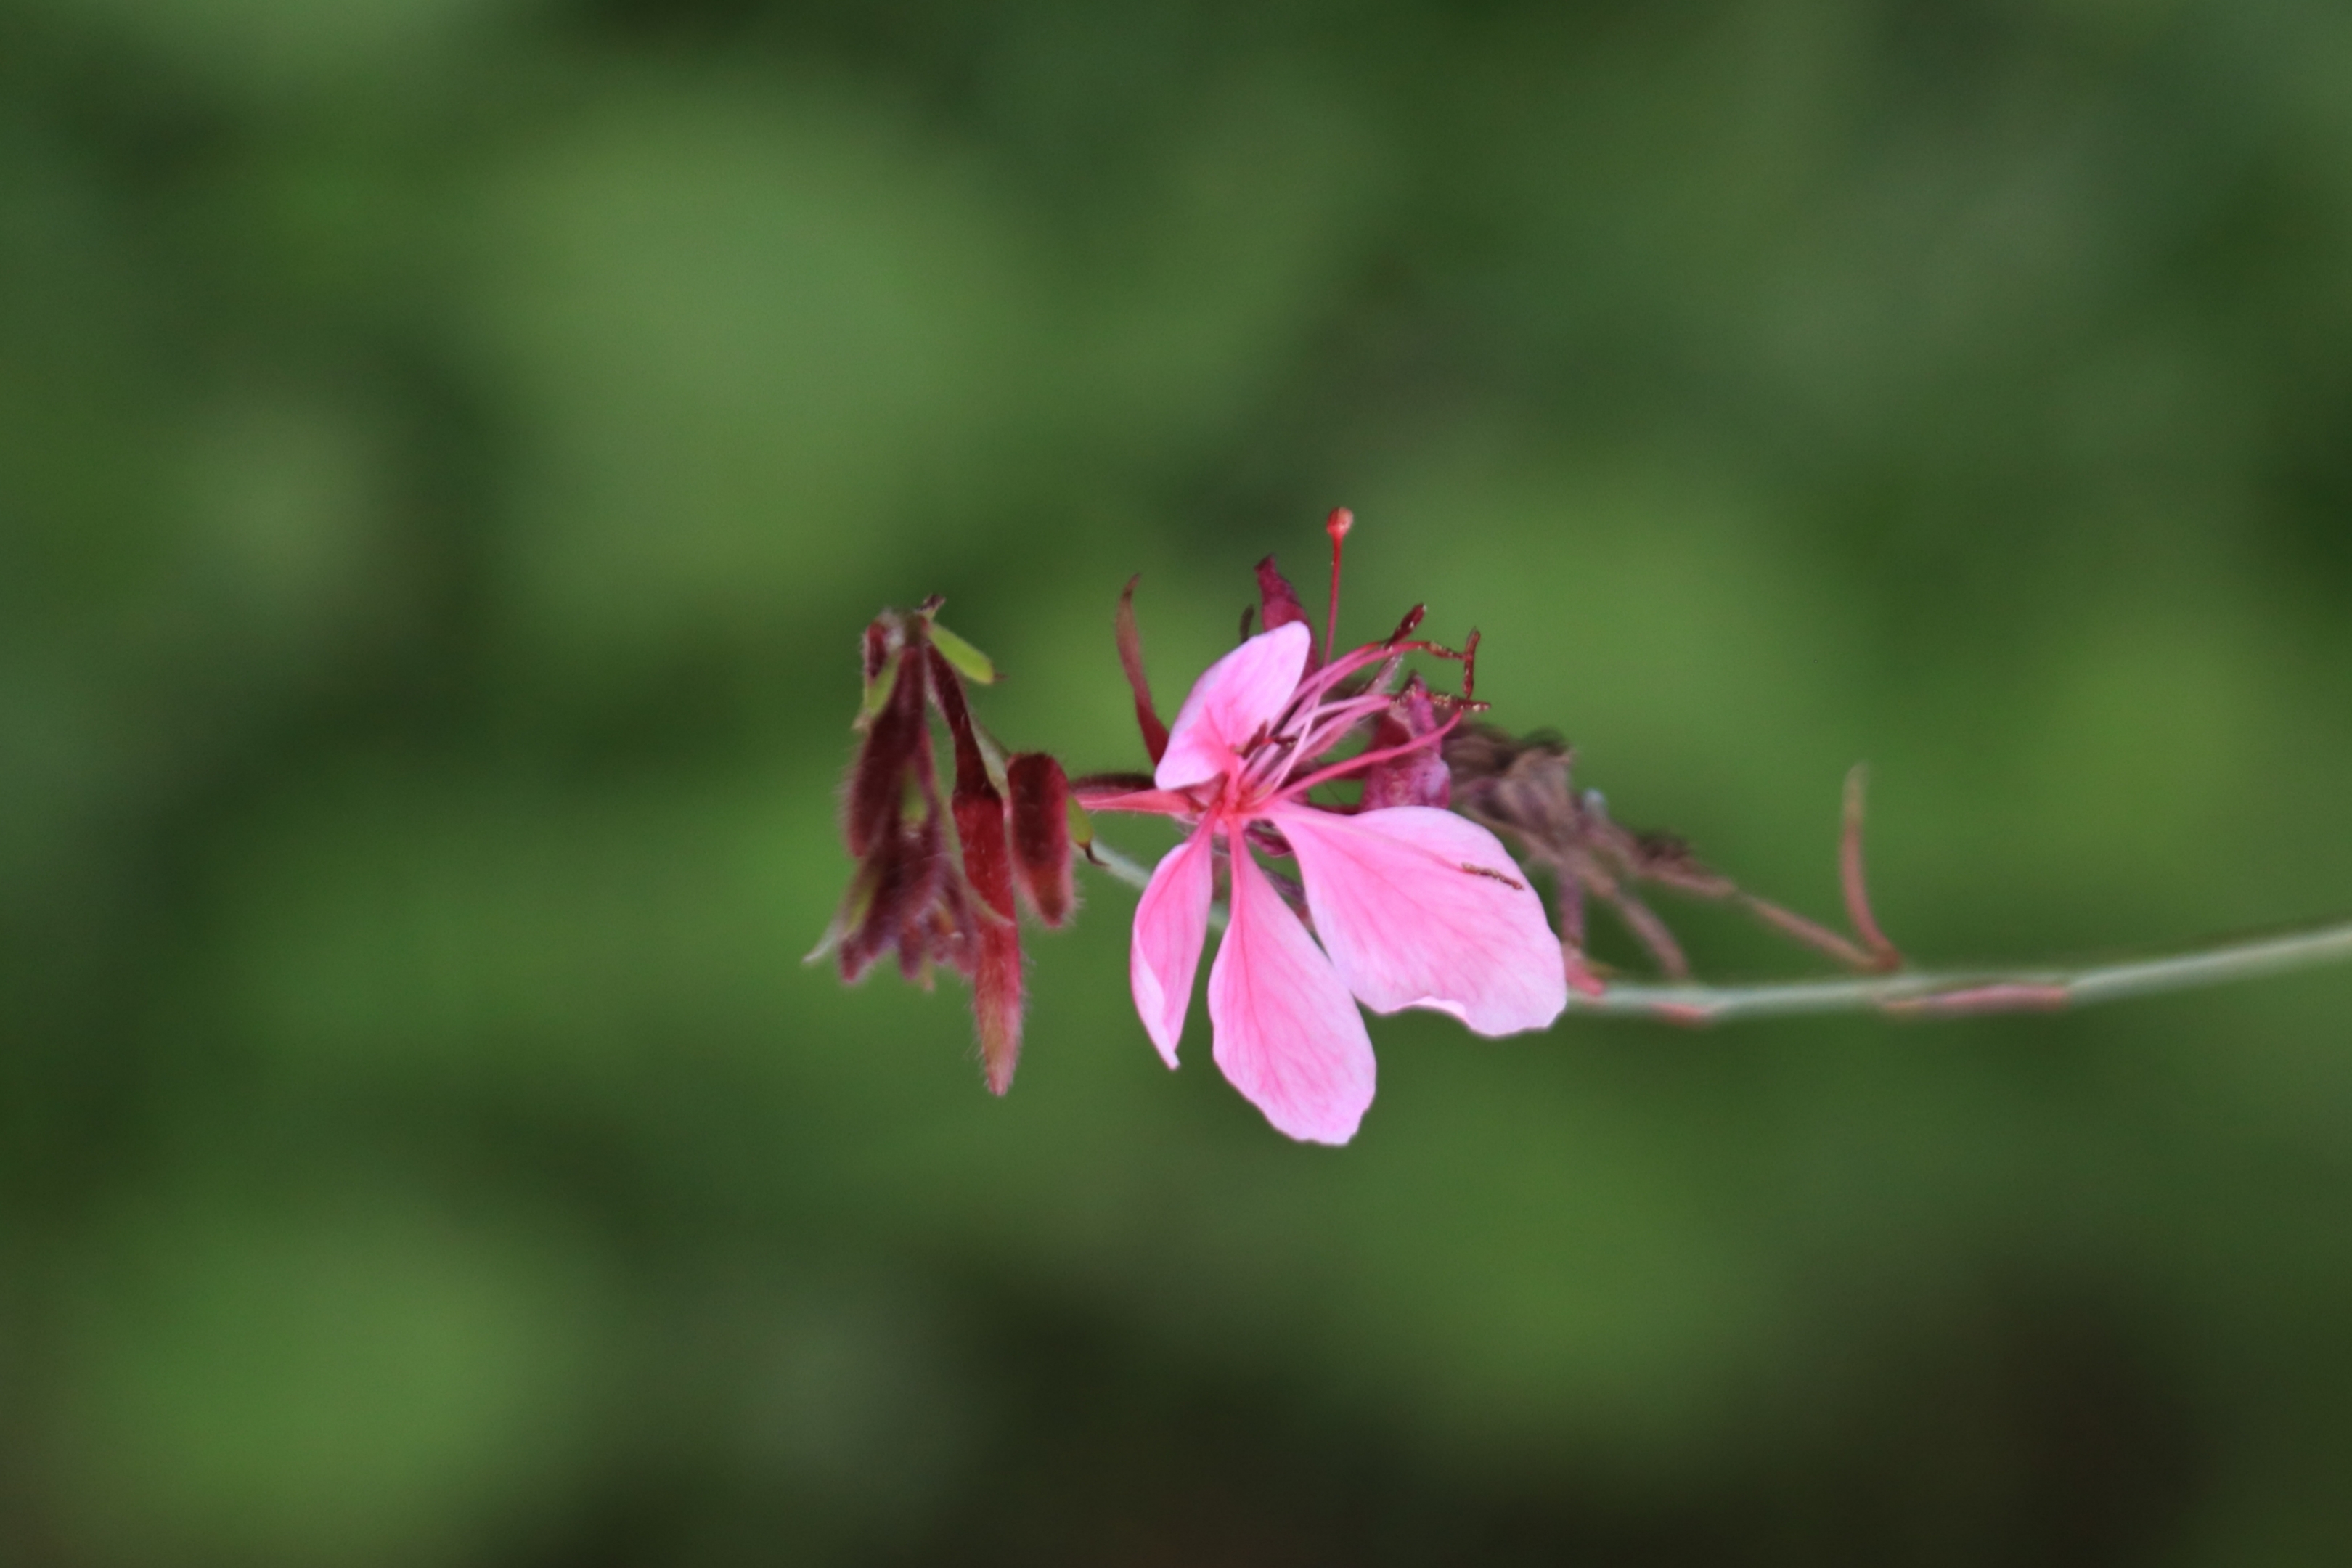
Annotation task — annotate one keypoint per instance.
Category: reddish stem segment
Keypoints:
(1131, 659)
(1882, 953)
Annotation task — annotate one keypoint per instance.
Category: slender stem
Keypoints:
(1932, 993)
(1136, 875)
(1120, 868)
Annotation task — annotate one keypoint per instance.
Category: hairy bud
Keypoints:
(910, 894)
(1041, 834)
(996, 1000)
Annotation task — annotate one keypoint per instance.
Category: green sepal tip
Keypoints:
(968, 660)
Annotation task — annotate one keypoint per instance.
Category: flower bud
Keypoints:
(1278, 606)
(896, 733)
(996, 999)
(909, 893)
(1041, 834)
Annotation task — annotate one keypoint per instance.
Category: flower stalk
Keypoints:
(1931, 993)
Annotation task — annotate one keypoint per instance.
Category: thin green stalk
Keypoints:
(1935, 993)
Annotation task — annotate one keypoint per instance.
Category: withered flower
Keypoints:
(1519, 787)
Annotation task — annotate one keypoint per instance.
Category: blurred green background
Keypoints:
(448, 447)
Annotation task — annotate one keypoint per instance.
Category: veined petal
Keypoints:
(1240, 693)
(1287, 1034)
(1159, 802)
(1419, 908)
(1171, 921)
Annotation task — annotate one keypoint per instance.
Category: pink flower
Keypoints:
(1414, 906)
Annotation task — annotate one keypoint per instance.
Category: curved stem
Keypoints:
(1933, 993)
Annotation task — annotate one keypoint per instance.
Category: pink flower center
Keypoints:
(1265, 772)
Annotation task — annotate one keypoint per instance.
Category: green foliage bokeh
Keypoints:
(448, 449)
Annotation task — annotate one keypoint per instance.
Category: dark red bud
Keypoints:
(918, 942)
(954, 931)
(1041, 834)
(1280, 607)
(996, 987)
(902, 881)
(979, 809)
(996, 1002)
(996, 999)
(909, 894)
(898, 740)
(979, 825)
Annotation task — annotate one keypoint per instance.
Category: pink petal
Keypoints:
(1238, 695)
(1171, 921)
(1289, 1035)
(1419, 908)
(1159, 801)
